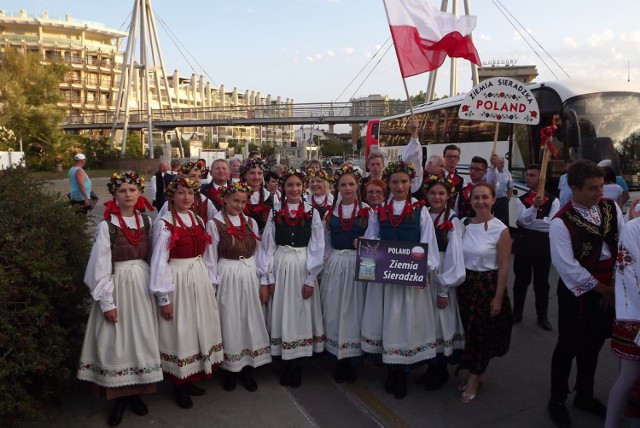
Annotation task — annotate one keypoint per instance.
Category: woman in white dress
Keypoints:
(289, 261)
(408, 332)
(343, 297)
(444, 280)
(182, 278)
(261, 201)
(202, 206)
(240, 296)
(120, 351)
(319, 195)
(483, 298)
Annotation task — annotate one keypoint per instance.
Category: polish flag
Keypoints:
(423, 35)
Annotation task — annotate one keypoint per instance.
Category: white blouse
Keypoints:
(235, 220)
(98, 275)
(627, 273)
(161, 283)
(451, 271)
(480, 246)
(255, 197)
(315, 249)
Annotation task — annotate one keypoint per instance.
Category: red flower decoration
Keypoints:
(465, 107)
(446, 226)
(534, 114)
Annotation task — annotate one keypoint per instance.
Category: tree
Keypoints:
(628, 153)
(29, 95)
(334, 148)
(56, 148)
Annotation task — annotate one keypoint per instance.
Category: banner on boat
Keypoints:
(502, 100)
(392, 262)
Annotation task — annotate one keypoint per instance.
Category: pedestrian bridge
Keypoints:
(326, 113)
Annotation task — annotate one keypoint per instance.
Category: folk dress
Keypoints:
(290, 257)
(123, 357)
(485, 336)
(244, 334)
(182, 274)
(444, 281)
(321, 203)
(342, 296)
(408, 320)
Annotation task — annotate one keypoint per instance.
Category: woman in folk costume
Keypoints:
(342, 297)
(120, 351)
(408, 332)
(182, 278)
(289, 261)
(202, 206)
(318, 194)
(240, 296)
(261, 201)
(484, 302)
(444, 280)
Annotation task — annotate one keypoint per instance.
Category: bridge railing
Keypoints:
(311, 110)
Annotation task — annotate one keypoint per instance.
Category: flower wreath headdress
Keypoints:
(346, 169)
(187, 167)
(319, 173)
(181, 180)
(233, 187)
(288, 173)
(251, 163)
(399, 166)
(131, 177)
(432, 180)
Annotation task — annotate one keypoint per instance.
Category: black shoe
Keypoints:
(285, 376)
(390, 382)
(229, 382)
(559, 414)
(439, 380)
(138, 406)
(400, 390)
(350, 373)
(246, 376)
(427, 376)
(544, 323)
(295, 379)
(182, 396)
(118, 410)
(338, 373)
(194, 390)
(516, 318)
(591, 405)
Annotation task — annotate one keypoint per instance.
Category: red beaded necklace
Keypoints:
(191, 230)
(293, 220)
(132, 237)
(232, 230)
(347, 224)
(322, 205)
(396, 220)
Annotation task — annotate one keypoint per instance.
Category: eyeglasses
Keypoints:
(452, 157)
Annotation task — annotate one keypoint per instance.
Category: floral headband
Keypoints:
(131, 177)
(233, 187)
(432, 180)
(292, 171)
(181, 180)
(251, 163)
(318, 173)
(399, 166)
(346, 169)
(185, 168)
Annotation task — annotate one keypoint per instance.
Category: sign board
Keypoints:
(502, 100)
(392, 262)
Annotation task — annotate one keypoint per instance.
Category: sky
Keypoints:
(334, 50)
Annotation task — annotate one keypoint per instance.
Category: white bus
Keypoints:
(594, 120)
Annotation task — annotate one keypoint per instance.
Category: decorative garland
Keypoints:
(399, 166)
(131, 177)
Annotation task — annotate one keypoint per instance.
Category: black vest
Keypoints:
(533, 243)
(294, 236)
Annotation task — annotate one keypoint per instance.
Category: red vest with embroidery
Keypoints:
(191, 242)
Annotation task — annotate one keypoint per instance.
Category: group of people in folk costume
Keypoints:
(231, 274)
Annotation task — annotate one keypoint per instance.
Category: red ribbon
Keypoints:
(111, 208)
(446, 225)
(546, 136)
(143, 204)
(529, 199)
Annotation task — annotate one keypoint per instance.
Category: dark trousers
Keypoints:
(523, 268)
(501, 210)
(583, 327)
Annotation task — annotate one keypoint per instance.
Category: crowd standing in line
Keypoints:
(243, 266)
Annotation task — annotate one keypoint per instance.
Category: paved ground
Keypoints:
(514, 395)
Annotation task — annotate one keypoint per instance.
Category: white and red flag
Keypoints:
(424, 36)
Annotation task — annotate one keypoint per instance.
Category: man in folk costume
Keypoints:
(584, 245)
(451, 154)
(220, 175)
(477, 171)
(531, 248)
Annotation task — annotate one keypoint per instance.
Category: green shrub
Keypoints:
(44, 249)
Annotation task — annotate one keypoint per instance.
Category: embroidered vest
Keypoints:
(343, 240)
(214, 195)
(191, 242)
(233, 248)
(293, 236)
(408, 230)
(260, 213)
(464, 203)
